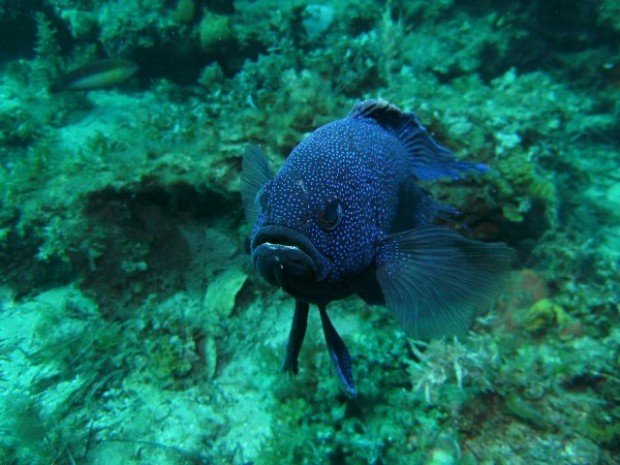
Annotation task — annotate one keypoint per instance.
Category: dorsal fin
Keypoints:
(430, 160)
(382, 111)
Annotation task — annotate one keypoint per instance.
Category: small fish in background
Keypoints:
(345, 214)
(96, 75)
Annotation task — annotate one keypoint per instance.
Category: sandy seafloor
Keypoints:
(132, 328)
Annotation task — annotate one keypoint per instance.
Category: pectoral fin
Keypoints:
(435, 281)
(255, 173)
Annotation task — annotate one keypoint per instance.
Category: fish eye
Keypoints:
(330, 216)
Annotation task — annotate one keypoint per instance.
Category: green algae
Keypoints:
(525, 411)
(214, 29)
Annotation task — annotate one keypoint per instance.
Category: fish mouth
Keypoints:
(286, 258)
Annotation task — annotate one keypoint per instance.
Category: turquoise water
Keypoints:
(133, 329)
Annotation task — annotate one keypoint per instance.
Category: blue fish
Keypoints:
(346, 214)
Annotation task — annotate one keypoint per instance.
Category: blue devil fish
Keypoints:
(345, 215)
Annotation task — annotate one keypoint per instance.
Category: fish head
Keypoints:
(315, 233)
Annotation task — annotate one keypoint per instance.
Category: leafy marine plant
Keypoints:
(464, 364)
(46, 47)
(67, 360)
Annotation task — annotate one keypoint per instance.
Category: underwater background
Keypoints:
(132, 328)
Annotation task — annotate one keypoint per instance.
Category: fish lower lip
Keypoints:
(286, 254)
(283, 239)
(286, 266)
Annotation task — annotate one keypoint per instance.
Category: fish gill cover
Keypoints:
(133, 327)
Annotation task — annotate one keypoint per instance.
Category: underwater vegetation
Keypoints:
(132, 326)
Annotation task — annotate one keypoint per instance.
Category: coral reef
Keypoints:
(131, 328)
